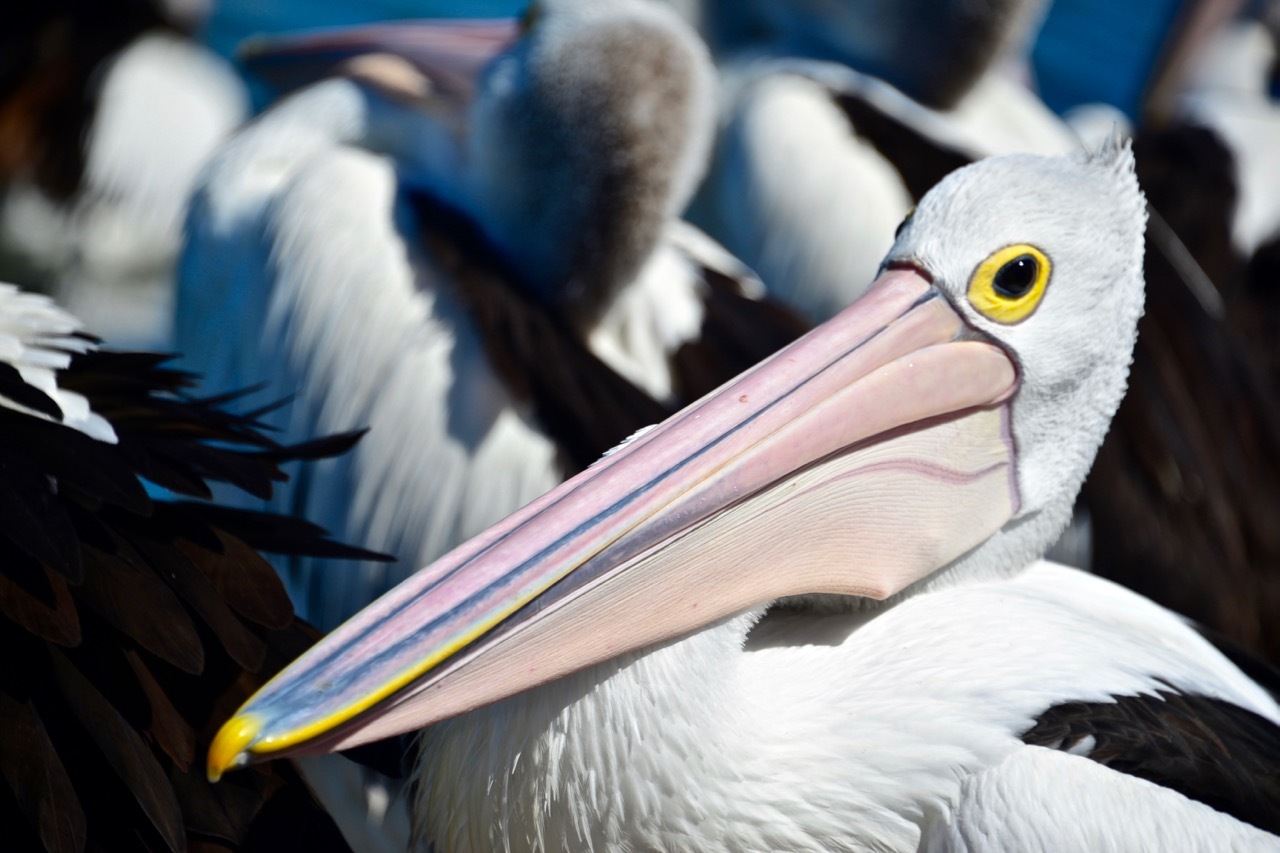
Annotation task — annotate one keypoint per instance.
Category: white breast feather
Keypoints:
(829, 733)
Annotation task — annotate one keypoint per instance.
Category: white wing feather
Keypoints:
(37, 338)
(296, 274)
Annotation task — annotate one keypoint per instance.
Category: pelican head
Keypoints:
(595, 129)
(934, 432)
(579, 130)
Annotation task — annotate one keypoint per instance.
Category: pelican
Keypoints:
(956, 42)
(814, 105)
(1182, 493)
(807, 612)
(129, 620)
(489, 272)
(108, 112)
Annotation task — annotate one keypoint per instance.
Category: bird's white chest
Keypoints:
(822, 734)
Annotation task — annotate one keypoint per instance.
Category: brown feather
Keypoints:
(36, 600)
(127, 753)
(39, 782)
(242, 577)
(175, 622)
(202, 597)
(122, 589)
(167, 728)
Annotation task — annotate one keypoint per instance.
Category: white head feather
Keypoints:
(1087, 215)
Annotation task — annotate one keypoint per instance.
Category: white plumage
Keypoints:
(108, 254)
(840, 732)
(803, 193)
(303, 269)
(37, 338)
(639, 659)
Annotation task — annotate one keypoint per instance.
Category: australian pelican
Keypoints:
(807, 612)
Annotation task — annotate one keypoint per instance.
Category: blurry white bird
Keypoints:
(108, 113)
(487, 273)
(490, 274)
(829, 114)
(1231, 92)
(817, 164)
(627, 676)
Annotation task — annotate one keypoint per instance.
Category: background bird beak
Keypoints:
(448, 54)
(865, 456)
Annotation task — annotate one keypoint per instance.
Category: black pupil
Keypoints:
(1016, 277)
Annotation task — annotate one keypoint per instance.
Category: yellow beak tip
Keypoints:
(228, 748)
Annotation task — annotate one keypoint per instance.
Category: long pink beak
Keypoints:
(862, 458)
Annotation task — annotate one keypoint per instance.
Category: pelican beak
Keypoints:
(864, 457)
(446, 56)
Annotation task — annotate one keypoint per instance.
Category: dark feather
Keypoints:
(133, 627)
(93, 469)
(280, 534)
(237, 573)
(15, 388)
(1186, 487)
(583, 404)
(203, 600)
(129, 595)
(920, 161)
(37, 779)
(1204, 748)
(35, 599)
(36, 520)
(124, 749)
(170, 731)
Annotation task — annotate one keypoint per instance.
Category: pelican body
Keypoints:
(807, 612)
(468, 242)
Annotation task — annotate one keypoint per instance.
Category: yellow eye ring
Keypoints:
(1008, 285)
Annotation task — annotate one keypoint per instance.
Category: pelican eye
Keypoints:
(1009, 284)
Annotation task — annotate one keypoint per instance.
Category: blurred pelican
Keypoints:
(107, 112)
(487, 272)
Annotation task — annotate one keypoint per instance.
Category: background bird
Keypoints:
(107, 112)
(808, 183)
(1184, 492)
(498, 286)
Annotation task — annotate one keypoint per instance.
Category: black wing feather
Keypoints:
(583, 404)
(1204, 748)
(737, 332)
(133, 627)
